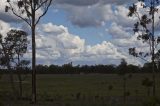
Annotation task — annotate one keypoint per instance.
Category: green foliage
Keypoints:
(12, 48)
(14, 44)
(18, 40)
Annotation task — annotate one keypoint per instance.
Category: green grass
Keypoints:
(79, 90)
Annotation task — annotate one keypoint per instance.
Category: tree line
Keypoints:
(86, 69)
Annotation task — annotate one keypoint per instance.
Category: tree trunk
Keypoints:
(11, 78)
(19, 76)
(124, 88)
(153, 52)
(154, 78)
(20, 85)
(33, 58)
(12, 82)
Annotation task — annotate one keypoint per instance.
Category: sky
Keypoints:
(81, 31)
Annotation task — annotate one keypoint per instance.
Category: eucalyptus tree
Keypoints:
(27, 10)
(12, 47)
(19, 41)
(145, 29)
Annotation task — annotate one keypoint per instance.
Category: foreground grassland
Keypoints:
(80, 90)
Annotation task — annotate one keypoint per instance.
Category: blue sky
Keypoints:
(82, 31)
(92, 35)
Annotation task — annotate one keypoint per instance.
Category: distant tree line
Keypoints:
(86, 69)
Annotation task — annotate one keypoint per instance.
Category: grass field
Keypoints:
(79, 90)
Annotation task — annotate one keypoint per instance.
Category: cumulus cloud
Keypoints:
(50, 28)
(60, 45)
(90, 13)
(104, 51)
(84, 16)
(97, 15)
(105, 48)
(55, 44)
(84, 13)
(118, 32)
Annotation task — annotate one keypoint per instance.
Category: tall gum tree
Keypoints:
(145, 29)
(27, 11)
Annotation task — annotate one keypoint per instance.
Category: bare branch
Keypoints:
(42, 4)
(19, 15)
(45, 11)
(143, 58)
(27, 12)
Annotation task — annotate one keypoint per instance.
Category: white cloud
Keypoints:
(50, 28)
(55, 43)
(98, 14)
(4, 27)
(121, 17)
(59, 47)
(66, 47)
(118, 32)
(105, 48)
